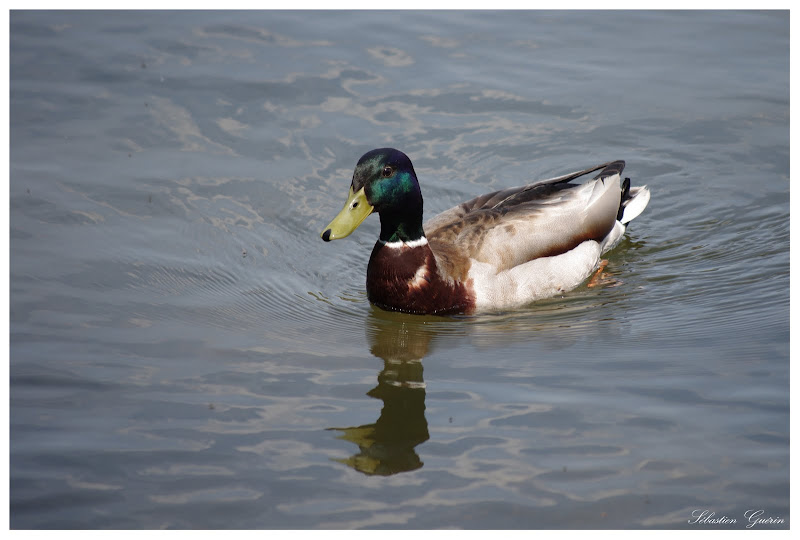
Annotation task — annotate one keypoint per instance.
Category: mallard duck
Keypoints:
(497, 251)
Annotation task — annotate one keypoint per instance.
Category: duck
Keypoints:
(498, 251)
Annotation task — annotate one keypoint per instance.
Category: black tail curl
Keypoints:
(626, 195)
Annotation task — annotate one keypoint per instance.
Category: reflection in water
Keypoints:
(387, 446)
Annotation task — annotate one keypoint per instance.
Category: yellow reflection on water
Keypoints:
(387, 446)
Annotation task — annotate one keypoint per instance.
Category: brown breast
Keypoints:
(409, 280)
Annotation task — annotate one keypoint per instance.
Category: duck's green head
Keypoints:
(384, 181)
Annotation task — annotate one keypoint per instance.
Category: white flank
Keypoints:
(540, 278)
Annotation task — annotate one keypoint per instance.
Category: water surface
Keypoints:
(187, 353)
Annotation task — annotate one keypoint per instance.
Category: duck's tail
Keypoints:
(634, 201)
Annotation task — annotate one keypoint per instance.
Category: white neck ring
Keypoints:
(422, 241)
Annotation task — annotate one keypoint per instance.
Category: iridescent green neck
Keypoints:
(403, 227)
(400, 208)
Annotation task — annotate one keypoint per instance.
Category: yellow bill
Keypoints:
(355, 210)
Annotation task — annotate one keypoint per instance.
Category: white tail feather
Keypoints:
(612, 238)
(640, 196)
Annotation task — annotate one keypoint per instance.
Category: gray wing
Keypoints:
(549, 191)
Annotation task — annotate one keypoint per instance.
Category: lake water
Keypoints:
(185, 352)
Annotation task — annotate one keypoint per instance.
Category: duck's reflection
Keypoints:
(388, 446)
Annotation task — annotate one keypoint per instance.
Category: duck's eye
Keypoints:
(387, 172)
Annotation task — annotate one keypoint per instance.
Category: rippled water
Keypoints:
(187, 353)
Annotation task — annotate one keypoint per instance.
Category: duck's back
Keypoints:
(512, 226)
